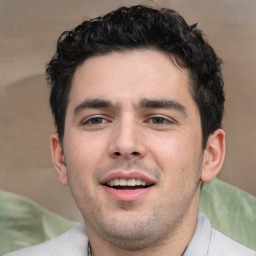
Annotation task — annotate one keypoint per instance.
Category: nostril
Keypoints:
(133, 153)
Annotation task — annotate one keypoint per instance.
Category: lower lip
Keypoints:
(127, 195)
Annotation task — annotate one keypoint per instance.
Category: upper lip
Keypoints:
(126, 175)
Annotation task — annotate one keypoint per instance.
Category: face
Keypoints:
(132, 147)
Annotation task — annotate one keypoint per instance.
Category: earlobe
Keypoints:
(214, 155)
(58, 159)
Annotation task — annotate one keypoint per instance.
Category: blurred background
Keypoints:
(28, 33)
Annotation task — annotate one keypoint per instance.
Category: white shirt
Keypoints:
(209, 242)
(205, 242)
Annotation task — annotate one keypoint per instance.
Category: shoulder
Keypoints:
(73, 242)
(223, 246)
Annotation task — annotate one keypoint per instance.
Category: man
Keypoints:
(137, 97)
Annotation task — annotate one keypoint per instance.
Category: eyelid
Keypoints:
(169, 120)
(87, 119)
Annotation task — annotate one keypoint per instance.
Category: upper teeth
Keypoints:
(124, 182)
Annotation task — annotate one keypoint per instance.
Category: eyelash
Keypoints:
(163, 120)
(100, 121)
(90, 120)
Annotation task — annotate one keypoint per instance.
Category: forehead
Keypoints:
(144, 72)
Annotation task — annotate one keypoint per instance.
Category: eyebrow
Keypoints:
(143, 104)
(92, 103)
(162, 103)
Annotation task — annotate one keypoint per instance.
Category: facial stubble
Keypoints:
(136, 232)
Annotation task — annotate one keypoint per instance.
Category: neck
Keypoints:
(175, 244)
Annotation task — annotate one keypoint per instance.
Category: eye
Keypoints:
(158, 120)
(94, 121)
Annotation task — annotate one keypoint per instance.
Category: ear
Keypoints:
(58, 159)
(214, 155)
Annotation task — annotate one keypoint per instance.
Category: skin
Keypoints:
(115, 125)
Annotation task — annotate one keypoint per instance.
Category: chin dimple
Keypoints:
(124, 182)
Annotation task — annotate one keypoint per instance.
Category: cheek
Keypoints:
(167, 151)
(83, 157)
(178, 158)
(85, 148)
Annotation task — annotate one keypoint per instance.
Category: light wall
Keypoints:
(29, 30)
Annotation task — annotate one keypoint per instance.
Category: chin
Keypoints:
(133, 232)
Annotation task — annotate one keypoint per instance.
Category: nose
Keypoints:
(127, 141)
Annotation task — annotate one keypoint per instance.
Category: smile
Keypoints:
(127, 186)
(120, 182)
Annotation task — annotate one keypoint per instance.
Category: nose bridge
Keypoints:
(127, 139)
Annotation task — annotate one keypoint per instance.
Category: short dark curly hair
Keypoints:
(142, 27)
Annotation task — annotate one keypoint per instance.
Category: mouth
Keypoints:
(127, 184)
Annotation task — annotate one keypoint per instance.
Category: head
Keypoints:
(137, 98)
(140, 27)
